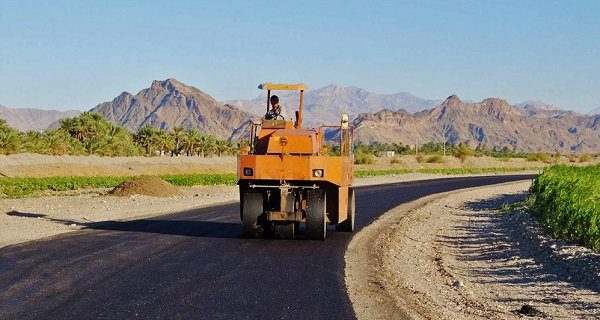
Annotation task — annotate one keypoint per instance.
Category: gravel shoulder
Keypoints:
(38, 217)
(457, 256)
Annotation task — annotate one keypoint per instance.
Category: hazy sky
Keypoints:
(75, 54)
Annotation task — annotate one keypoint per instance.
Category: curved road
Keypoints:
(194, 264)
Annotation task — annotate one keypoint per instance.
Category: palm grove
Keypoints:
(90, 133)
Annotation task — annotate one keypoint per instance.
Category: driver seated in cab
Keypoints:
(275, 111)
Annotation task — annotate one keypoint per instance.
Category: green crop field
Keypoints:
(442, 171)
(22, 187)
(566, 199)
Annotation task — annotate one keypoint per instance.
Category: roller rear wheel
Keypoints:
(316, 216)
(348, 224)
(253, 223)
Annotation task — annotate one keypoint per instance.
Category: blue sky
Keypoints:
(75, 54)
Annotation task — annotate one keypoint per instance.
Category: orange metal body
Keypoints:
(284, 167)
(284, 156)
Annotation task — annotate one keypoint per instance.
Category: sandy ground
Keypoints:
(36, 165)
(457, 256)
(37, 217)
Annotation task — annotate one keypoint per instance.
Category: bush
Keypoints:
(395, 160)
(420, 158)
(586, 157)
(462, 152)
(363, 158)
(565, 200)
(540, 156)
(572, 158)
(435, 159)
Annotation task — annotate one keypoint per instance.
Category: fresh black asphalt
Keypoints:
(194, 265)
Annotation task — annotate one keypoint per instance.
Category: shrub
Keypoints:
(435, 159)
(565, 200)
(363, 158)
(395, 160)
(540, 156)
(420, 158)
(586, 157)
(462, 152)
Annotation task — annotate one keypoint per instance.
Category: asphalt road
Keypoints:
(194, 265)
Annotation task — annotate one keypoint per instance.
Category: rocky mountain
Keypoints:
(33, 119)
(492, 122)
(171, 103)
(324, 105)
(594, 112)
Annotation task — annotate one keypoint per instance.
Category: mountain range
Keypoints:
(393, 118)
(324, 105)
(33, 119)
(170, 103)
(492, 122)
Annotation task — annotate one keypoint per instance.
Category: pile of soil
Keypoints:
(148, 186)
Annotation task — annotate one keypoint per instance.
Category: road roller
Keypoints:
(291, 183)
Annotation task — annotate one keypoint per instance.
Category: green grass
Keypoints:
(566, 199)
(23, 187)
(383, 172)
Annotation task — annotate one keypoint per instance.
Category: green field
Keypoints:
(566, 200)
(441, 171)
(23, 187)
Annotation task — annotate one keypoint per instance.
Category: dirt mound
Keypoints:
(146, 185)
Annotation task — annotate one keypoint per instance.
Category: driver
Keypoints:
(275, 110)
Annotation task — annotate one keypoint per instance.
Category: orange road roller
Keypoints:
(290, 183)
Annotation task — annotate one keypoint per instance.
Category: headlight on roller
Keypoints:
(248, 171)
(318, 173)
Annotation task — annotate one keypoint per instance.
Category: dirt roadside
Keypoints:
(455, 256)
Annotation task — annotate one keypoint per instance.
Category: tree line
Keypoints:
(92, 134)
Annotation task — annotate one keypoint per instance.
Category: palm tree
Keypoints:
(10, 141)
(222, 146)
(146, 138)
(57, 144)
(206, 146)
(178, 135)
(164, 142)
(34, 142)
(3, 125)
(191, 140)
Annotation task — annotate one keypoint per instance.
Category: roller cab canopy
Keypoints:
(283, 86)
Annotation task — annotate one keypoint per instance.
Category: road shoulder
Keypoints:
(454, 256)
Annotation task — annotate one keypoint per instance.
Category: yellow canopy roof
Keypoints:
(282, 86)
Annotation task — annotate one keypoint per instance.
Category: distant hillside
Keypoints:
(492, 122)
(393, 118)
(33, 119)
(324, 105)
(594, 112)
(171, 103)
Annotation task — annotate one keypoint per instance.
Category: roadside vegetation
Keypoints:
(566, 199)
(432, 152)
(24, 187)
